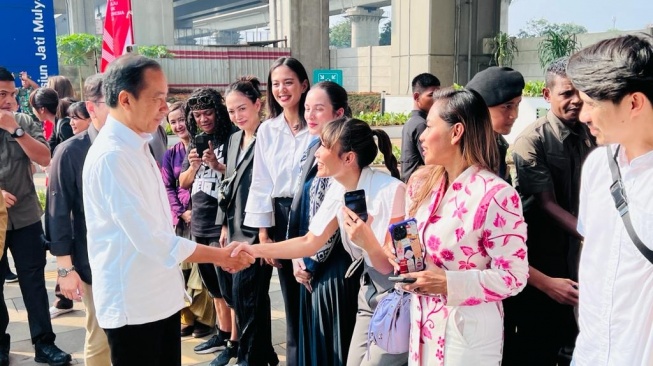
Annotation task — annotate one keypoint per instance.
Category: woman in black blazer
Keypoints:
(250, 286)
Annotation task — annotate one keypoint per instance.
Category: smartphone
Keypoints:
(408, 248)
(201, 144)
(355, 201)
(402, 279)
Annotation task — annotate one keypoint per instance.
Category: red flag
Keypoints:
(118, 31)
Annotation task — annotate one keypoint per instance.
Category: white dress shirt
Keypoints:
(276, 169)
(615, 279)
(132, 248)
(384, 196)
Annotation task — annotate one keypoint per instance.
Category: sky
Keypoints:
(628, 14)
(595, 15)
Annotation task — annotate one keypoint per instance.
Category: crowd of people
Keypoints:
(529, 267)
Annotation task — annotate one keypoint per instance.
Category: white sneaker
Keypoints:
(55, 311)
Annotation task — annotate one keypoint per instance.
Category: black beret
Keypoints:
(497, 85)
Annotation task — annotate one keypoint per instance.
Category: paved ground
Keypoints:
(69, 328)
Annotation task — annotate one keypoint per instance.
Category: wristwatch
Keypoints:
(63, 272)
(19, 132)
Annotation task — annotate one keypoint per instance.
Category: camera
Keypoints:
(399, 233)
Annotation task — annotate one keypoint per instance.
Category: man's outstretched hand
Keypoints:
(235, 263)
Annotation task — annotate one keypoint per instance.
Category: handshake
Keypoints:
(236, 256)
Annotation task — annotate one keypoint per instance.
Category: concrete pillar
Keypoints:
(364, 25)
(306, 25)
(153, 22)
(440, 37)
(77, 16)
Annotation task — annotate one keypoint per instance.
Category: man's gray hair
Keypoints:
(556, 68)
(613, 68)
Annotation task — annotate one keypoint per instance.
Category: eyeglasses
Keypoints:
(204, 99)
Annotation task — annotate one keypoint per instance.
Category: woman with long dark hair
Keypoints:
(250, 300)
(281, 141)
(347, 149)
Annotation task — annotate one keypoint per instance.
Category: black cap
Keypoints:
(497, 85)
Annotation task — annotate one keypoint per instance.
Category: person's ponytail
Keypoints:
(385, 146)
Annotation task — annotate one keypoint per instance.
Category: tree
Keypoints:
(504, 49)
(555, 45)
(386, 34)
(539, 28)
(340, 34)
(155, 52)
(78, 49)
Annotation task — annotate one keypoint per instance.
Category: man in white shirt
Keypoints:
(138, 288)
(615, 80)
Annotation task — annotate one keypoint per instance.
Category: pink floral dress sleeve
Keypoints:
(501, 239)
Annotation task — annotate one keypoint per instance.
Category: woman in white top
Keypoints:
(280, 143)
(348, 148)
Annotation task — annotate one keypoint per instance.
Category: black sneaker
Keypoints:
(50, 354)
(215, 343)
(10, 277)
(226, 355)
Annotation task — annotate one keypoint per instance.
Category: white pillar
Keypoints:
(364, 26)
(153, 22)
(306, 24)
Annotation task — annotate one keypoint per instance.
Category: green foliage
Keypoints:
(41, 195)
(364, 102)
(340, 34)
(539, 28)
(386, 34)
(76, 49)
(168, 129)
(556, 45)
(386, 119)
(396, 151)
(155, 51)
(534, 88)
(457, 86)
(504, 49)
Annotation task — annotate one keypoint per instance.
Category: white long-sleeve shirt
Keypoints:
(132, 248)
(615, 279)
(276, 169)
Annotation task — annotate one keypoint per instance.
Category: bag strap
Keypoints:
(618, 192)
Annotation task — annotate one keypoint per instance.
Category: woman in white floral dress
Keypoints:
(473, 233)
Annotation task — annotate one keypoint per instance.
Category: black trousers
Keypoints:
(252, 305)
(156, 343)
(208, 272)
(536, 328)
(28, 250)
(289, 285)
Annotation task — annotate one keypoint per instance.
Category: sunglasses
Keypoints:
(203, 100)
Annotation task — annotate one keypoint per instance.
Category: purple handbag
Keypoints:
(390, 324)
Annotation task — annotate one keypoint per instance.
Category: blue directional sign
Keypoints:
(28, 39)
(327, 75)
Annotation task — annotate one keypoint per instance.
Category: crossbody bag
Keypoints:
(618, 192)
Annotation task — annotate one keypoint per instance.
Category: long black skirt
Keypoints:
(328, 314)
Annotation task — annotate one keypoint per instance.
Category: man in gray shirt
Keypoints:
(21, 142)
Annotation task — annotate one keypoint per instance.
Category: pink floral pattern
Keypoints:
(477, 225)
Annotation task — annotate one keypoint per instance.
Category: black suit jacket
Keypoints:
(234, 215)
(308, 172)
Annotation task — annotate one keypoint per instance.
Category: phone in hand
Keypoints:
(355, 201)
(402, 279)
(408, 248)
(201, 144)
